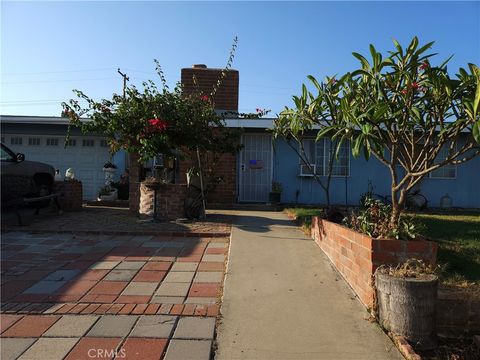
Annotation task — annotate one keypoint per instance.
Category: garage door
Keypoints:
(85, 155)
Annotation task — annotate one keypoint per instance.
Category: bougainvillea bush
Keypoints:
(152, 121)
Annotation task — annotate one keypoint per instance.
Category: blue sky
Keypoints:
(48, 49)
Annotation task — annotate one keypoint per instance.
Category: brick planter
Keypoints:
(170, 201)
(71, 194)
(357, 256)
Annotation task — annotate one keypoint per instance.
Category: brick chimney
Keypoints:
(226, 97)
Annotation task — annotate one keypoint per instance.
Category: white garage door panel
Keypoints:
(86, 161)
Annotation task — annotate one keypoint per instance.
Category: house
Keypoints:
(262, 161)
(248, 176)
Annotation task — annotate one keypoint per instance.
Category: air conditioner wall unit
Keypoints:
(305, 170)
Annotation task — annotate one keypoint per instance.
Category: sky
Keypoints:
(50, 48)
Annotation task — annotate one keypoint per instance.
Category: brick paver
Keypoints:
(120, 275)
(113, 326)
(142, 349)
(49, 348)
(154, 326)
(12, 348)
(140, 288)
(195, 328)
(173, 289)
(204, 289)
(71, 326)
(31, 326)
(188, 349)
(88, 348)
(8, 320)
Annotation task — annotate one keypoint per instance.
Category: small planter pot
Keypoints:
(274, 197)
(110, 197)
(407, 306)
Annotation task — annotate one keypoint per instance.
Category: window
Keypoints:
(318, 155)
(34, 141)
(5, 155)
(447, 171)
(52, 142)
(103, 143)
(16, 141)
(71, 142)
(88, 143)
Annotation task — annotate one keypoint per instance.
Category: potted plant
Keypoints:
(406, 301)
(275, 193)
(107, 193)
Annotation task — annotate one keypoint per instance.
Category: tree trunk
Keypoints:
(134, 178)
(397, 206)
(327, 196)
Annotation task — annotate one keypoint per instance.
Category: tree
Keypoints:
(313, 112)
(406, 111)
(154, 121)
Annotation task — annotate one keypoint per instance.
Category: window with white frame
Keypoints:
(71, 142)
(448, 171)
(52, 141)
(33, 141)
(318, 155)
(88, 143)
(15, 140)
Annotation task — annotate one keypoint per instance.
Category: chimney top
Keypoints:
(199, 66)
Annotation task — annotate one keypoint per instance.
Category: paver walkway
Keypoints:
(83, 296)
(283, 300)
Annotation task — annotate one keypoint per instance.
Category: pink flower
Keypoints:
(425, 65)
(415, 85)
(204, 98)
(158, 124)
(404, 91)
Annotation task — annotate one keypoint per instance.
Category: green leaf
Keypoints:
(356, 146)
(476, 132)
(399, 47)
(476, 102)
(315, 82)
(365, 63)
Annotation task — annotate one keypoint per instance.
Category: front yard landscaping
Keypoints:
(457, 235)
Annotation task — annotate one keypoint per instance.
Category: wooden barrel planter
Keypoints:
(407, 306)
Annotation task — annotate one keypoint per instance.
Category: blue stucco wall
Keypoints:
(464, 190)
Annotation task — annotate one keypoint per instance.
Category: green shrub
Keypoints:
(373, 219)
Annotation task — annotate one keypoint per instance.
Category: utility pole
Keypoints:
(125, 79)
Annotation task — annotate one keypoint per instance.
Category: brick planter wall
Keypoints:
(357, 256)
(71, 194)
(170, 201)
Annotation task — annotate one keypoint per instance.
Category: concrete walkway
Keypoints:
(283, 300)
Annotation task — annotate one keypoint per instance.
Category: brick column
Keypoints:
(134, 176)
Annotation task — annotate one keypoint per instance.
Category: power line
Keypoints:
(57, 72)
(52, 81)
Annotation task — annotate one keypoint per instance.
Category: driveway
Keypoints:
(93, 296)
